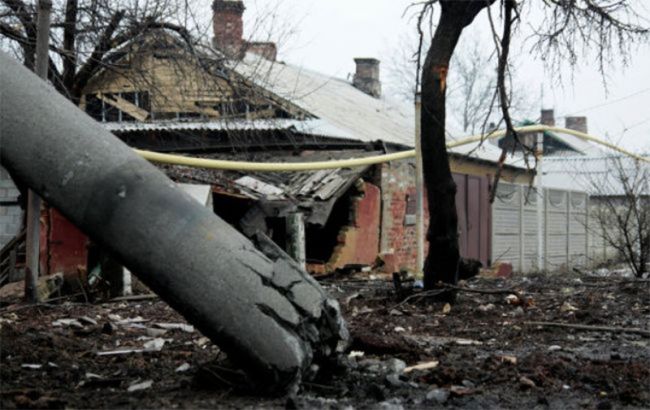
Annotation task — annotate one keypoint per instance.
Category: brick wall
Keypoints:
(359, 242)
(228, 27)
(398, 246)
(11, 216)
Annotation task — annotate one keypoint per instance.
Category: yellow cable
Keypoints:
(357, 162)
(272, 166)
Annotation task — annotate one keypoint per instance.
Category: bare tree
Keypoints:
(567, 28)
(472, 83)
(87, 35)
(621, 211)
(471, 100)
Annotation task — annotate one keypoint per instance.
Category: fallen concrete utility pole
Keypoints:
(266, 313)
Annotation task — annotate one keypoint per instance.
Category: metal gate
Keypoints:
(473, 208)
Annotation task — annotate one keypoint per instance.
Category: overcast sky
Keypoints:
(327, 35)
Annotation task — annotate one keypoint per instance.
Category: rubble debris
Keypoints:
(182, 368)
(446, 309)
(596, 365)
(568, 307)
(153, 332)
(461, 390)
(512, 300)
(467, 342)
(508, 359)
(176, 326)
(74, 323)
(486, 308)
(87, 320)
(438, 395)
(140, 386)
(526, 382)
(395, 365)
(613, 329)
(154, 345)
(422, 366)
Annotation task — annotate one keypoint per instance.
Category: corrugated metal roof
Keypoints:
(582, 146)
(311, 127)
(332, 99)
(359, 115)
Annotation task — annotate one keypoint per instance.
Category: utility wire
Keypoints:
(593, 107)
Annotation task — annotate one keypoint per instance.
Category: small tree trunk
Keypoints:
(443, 257)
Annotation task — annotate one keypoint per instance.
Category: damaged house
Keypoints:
(235, 101)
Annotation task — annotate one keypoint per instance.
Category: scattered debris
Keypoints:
(395, 365)
(612, 329)
(508, 359)
(438, 395)
(140, 386)
(422, 366)
(153, 332)
(518, 311)
(74, 323)
(526, 382)
(486, 308)
(176, 326)
(468, 342)
(512, 300)
(182, 368)
(446, 309)
(88, 321)
(202, 341)
(567, 307)
(130, 321)
(154, 345)
(464, 359)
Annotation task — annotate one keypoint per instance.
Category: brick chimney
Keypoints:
(366, 78)
(228, 27)
(576, 124)
(265, 49)
(548, 117)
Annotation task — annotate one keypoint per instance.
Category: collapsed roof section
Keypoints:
(312, 193)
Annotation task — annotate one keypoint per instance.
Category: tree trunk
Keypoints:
(69, 40)
(266, 313)
(442, 260)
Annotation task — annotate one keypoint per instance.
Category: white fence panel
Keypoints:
(567, 241)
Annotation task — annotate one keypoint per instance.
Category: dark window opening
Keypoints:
(231, 208)
(321, 241)
(411, 210)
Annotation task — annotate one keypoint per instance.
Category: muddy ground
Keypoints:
(483, 352)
